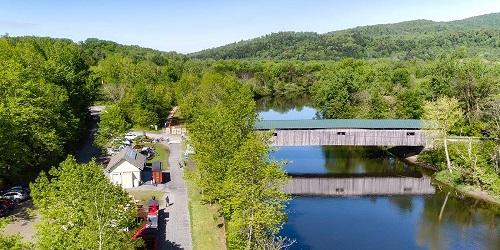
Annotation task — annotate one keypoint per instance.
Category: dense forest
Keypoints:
(47, 86)
(44, 98)
(420, 39)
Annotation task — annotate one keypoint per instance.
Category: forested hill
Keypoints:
(424, 39)
(95, 50)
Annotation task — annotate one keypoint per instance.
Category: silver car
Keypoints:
(15, 195)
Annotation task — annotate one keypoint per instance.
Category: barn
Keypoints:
(125, 168)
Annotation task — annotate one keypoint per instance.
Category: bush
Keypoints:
(435, 157)
(473, 161)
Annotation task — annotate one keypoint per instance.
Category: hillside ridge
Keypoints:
(415, 39)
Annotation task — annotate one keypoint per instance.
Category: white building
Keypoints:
(125, 168)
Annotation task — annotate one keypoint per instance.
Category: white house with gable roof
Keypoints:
(125, 168)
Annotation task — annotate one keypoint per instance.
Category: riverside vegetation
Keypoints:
(385, 71)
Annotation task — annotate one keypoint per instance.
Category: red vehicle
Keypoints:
(10, 204)
(149, 229)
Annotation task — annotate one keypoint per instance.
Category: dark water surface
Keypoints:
(390, 222)
(279, 109)
(345, 160)
(441, 220)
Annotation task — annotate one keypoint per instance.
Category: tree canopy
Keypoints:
(81, 209)
(44, 100)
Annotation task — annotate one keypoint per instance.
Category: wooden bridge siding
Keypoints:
(359, 186)
(353, 137)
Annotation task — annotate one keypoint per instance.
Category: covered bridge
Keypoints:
(351, 132)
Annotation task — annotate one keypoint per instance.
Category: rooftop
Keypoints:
(341, 123)
(130, 155)
(156, 165)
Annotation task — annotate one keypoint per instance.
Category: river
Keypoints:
(440, 220)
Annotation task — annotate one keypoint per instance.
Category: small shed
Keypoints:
(156, 169)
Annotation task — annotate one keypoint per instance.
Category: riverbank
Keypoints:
(467, 190)
(443, 179)
(413, 160)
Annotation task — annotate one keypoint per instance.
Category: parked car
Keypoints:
(15, 195)
(131, 135)
(148, 152)
(20, 188)
(4, 211)
(10, 204)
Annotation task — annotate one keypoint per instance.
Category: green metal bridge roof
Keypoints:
(341, 123)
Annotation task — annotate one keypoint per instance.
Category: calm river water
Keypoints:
(434, 221)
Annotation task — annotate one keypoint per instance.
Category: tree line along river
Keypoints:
(440, 220)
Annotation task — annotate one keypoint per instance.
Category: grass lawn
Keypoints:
(145, 195)
(204, 222)
(161, 153)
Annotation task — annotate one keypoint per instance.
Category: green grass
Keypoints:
(207, 227)
(145, 195)
(161, 154)
(444, 177)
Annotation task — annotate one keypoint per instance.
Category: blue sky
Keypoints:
(192, 25)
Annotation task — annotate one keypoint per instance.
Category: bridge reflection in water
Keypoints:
(359, 185)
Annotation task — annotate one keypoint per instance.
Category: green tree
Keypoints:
(255, 205)
(491, 113)
(224, 115)
(81, 209)
(401, 76)
(44, 99)
(409, 104)
(475, 167)
(333, 99)
(473, 83)
(113, 122)
(379, 107)
(442, 115)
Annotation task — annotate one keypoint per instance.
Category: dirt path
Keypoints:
(23, 223)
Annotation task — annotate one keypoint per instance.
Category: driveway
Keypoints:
(175, 232)
(87, 150)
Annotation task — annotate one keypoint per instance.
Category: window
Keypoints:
(339, 190)
(340, 133)
(275, 134)
(407, 189)
(410, 133)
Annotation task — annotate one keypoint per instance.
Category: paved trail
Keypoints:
(178, 228)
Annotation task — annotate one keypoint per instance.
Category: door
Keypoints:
(127, 180)
(117, 179)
